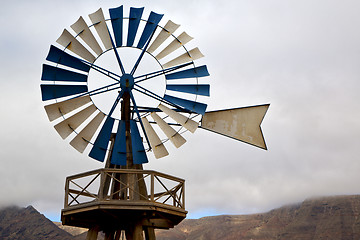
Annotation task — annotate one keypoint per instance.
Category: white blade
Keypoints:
(177, 43)
(84, 137)
(97, 18)
(155, 142)
(82, 29)
(56, 110)
(184, 58)
(66, 127)
(241, 123)
(69, 41)
(173, 135)
(166, 32)
(180, 119)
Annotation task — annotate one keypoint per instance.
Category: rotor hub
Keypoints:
(127, 82)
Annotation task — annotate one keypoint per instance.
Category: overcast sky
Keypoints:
(302, 57)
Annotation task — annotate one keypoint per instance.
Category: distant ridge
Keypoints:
(327, 218)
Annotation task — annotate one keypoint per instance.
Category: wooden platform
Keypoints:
(87, 204)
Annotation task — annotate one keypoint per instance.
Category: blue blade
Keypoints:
(139, 154)
(150, 27)
(189, 73)
(118, 156)
(199, 89)
(116, 15)
(51, 73)
(187, 104)
(99, 149)
(57, 91)
(58, 56)
(134, 20)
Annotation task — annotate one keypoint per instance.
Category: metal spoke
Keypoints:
(142, 54)
(108, 90)
(95, 91)
(157, 97)
(150, 109)
(117, 54)
(102, 70)
(160, 72)
(116, 102)
(139, 117)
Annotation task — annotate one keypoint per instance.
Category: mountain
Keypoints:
(322, 218)
(28, 224)
(327, 218)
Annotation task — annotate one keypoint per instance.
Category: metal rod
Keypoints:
(142, 54)
(139, 117)
(116, 53)
(160, 72)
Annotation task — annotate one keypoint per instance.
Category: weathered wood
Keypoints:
(159, 223)
(92, 234)
(131, 171)
(149, 233)
(106, 180)
(118, 234)
(109, 235)
(134, 232)
(82, 193)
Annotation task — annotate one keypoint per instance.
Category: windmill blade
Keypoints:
(49, 92)
(150, 28)
(187, 104)
(241, 123)
(199, 89)
(51, 73)
(70, 42)
(116, 15)
(166, 32)
(180, 119)
(181, 40)
(56, 110)
(118, 156)
(69, 125)
(60, 57)
(97, 18)
(155, 142)
(82, 30)
(189, 73)
(134, 21)
(84, 137)
(192, 55)
(170, 133)
(101, 143)
(138, 150)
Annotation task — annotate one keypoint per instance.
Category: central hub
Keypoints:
(127, 82)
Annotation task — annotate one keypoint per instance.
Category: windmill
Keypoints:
(120, 110)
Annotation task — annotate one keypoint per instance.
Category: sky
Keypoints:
(302, 57)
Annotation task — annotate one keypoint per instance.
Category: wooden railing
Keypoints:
(122, 186)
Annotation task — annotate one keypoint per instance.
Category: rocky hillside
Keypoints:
(323, 218)
(28, 224)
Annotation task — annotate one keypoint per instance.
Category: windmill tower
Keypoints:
(143, 110)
